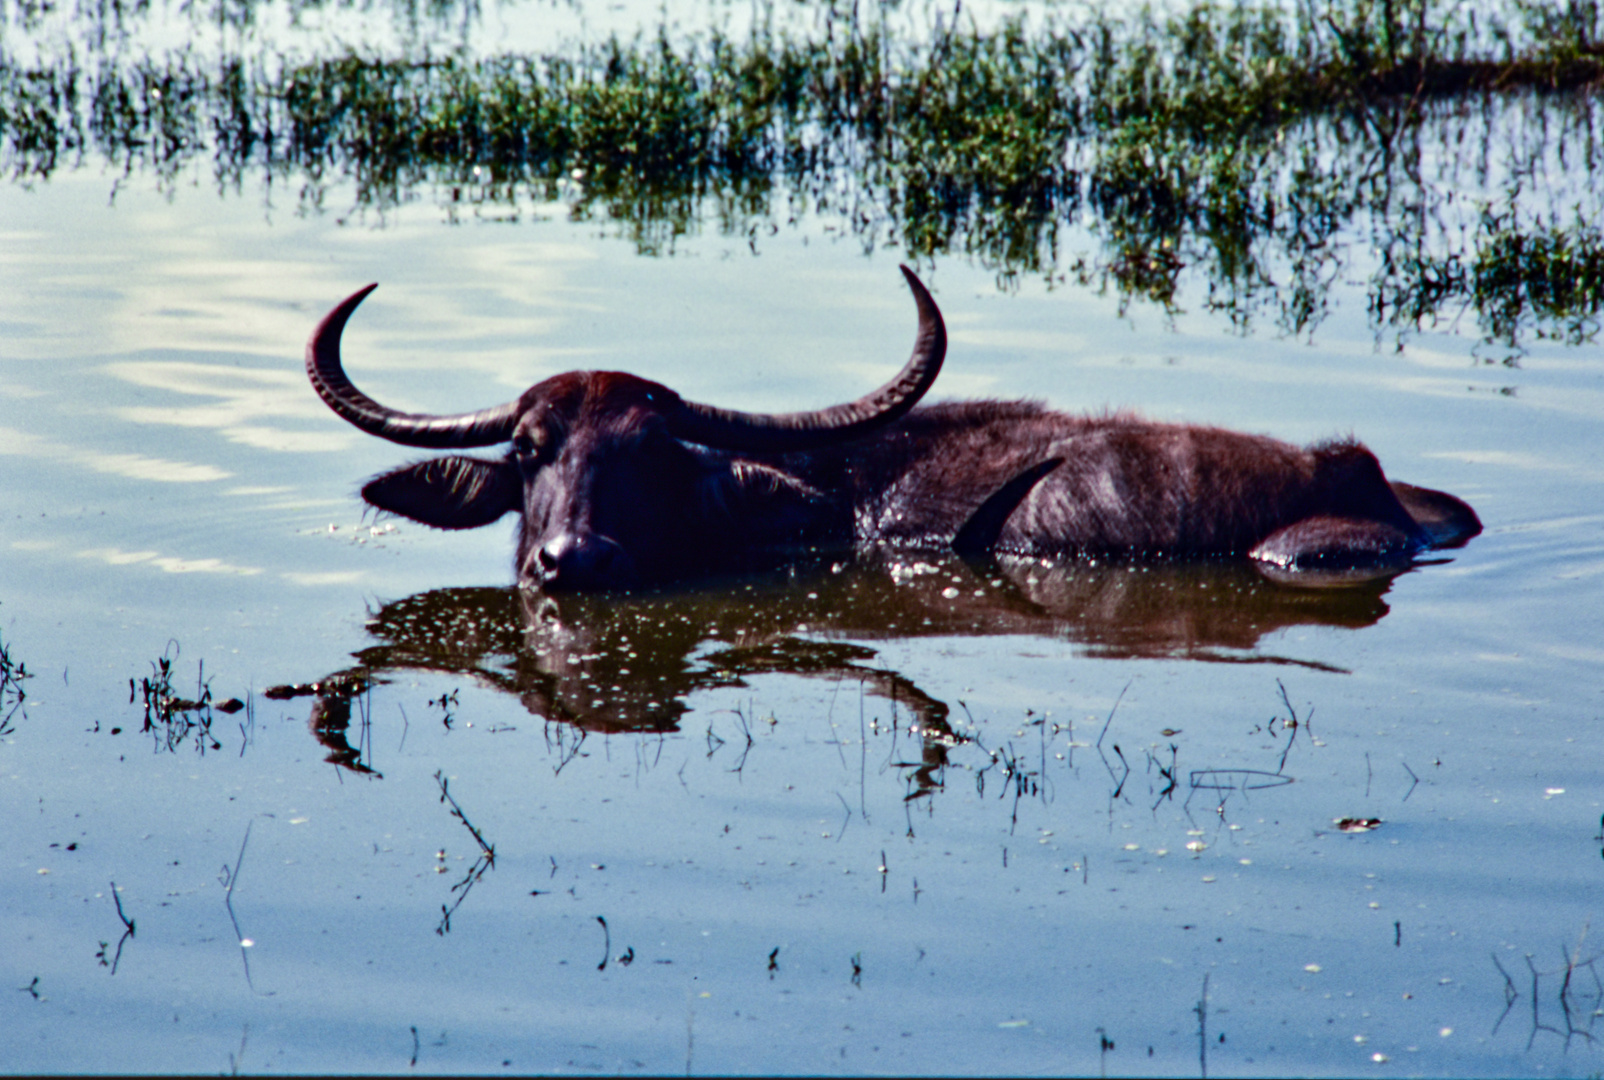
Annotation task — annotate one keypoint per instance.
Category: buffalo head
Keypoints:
(619, 481)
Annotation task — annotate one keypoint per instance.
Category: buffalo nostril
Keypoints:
(578, 562)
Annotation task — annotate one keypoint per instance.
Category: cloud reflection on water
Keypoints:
(113, 556)
(242, 397)
(134, 466)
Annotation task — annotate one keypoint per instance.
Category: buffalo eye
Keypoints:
(527, 446)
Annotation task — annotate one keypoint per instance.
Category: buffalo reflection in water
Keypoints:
(628, 663)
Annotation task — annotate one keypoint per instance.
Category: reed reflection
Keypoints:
(1264, 154)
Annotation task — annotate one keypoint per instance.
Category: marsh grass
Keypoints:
(1541, 275)
(1553, 275)
(1233, 139)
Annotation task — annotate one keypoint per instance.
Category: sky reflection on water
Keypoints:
(1084, 842)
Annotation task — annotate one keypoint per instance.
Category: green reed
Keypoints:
(1235, 141)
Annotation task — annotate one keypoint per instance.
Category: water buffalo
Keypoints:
(621, 483)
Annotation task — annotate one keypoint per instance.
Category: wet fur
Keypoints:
(1011, 477)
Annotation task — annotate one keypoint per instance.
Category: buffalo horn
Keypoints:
(483, 428)
(780, 432)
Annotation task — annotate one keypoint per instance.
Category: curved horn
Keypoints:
(482, 428)
(779, 432)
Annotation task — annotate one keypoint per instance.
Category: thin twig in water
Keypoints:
(745, 725)
(1511, 995)
(1120, 787)
(1202, 1011)
(118, 900)
(128, 932)
(1168, 774)
(230, 876)
(247, 727)
(364, 742)
(1570, 1007)
(1414, 781)
(566, 751)
(690, 1030)
(485, 861)
(1041, 773)
(235, 1061)
(1110, 719)
(1294, 724)
(829, 716)
(863, 753)
(456, 812)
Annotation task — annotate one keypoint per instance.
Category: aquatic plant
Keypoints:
(1552, 275)
(169, 718)
(1238, 142)
(12, 693)
(1548, 275)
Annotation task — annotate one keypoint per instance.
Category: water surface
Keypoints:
(841, 823)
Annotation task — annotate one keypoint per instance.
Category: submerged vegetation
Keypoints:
(1254, 142)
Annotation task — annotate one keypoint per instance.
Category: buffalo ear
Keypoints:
(768, 504)
(448, 492)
